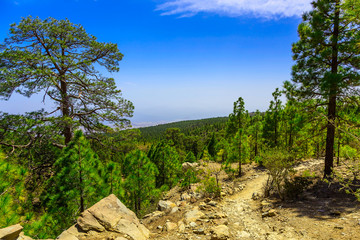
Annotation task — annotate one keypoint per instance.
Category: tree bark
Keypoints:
(330, 137)
(333, 91)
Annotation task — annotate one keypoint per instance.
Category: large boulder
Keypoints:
(10, 233)
(107, 219)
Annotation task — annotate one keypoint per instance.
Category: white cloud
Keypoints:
(236, 8)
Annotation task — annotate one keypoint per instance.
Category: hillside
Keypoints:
(186, 127)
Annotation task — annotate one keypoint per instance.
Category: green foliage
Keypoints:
(209, 185)
(77, 182)
(326, 61)
(167, 162)
(272, 120)
(190, 177)
(190, 157)
(349, 152)
(279, 163)
(59, 61)
(211, 146)
(140, 182)
(113, 179)
(12, 192)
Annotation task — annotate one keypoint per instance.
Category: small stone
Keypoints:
(202, 206)
(335, 213)
(270, 213)
(339, 227)
(166, 206)
(181, 226)
(220, 232)
(174, 210)
(185, 197)
(192, 224)
(159, 227)
(170, 226)
(193, 215)
(255, 196)
(212, 203)
(199, 231)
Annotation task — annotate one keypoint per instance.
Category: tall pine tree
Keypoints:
(327, 61)
(77, 183)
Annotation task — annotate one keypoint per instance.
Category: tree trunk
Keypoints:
(65, 109)
(338, 153)
(330, 137)
(333, 91)
(240, 159)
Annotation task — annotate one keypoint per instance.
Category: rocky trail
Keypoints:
(243, 214)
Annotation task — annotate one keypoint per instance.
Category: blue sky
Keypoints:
(183, 59)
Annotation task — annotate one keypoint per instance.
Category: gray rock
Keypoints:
(166, 206)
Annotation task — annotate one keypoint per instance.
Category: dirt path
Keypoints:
(244, 216)
(314, 217)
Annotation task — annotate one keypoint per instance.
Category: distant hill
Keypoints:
(155, 132)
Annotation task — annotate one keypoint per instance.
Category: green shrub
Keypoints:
(279, 164)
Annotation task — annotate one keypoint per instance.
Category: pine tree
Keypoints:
(327, 61)
(168, 164)
(77, 182)
(272, 120)
(211, 146)
(236, 128)
(140, 183)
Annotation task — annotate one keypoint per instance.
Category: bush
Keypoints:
(279, 163)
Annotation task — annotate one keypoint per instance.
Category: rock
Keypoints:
(220, 232)
(244, 234)
(199, 231)
(170, 226)
(222, 221)
(203, 206)
(192, 224)
(335, 213)
(212, 203)
(166, 206)
(188, 165)
(11, 233)
(193, 215)
(222, 194)
(185, 197)
(255, 196)
(23, 237)
(174, 210)
(181, 226)
(270, 213)
(149, 218)
(107, 219)
(216, 215)
(159, 227)
(88, 222)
